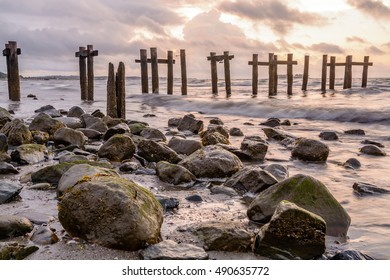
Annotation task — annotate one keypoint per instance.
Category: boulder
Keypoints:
(212, 162)
(154, 152)
(216, 128)
(71, 122)
(49, 110)
(216, 121)
(255, 147)
(3, 143)
(6, 168)
(137, 127)
(250, 179)
(43, 122)
(174, 122)
(368, 189)
(213, 138)
(5, 117)
(277, 134)
(17, 132)
(173, 173)
(184, 146)
(190, 123)
(279, 171)
(44, 236)
(90, 133)
(69, 136)
(29, 154)
(271, 122)
(120, 128)
(170, 250)
(93, 122)
(224, 236)
(292, 232)
(113, 212)
(329, 135)
(153, 134)
(119, 147)
(310, 150)
(15, 251)
(235, 131)
(8, 190)
(75, 112)
(79, 172)
(306, 192)
(372, 150)
(352, 163)
(13, 226)
(40, 137)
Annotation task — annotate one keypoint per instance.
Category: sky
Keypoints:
(49, 32)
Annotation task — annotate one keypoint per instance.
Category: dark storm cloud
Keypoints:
(275, 14)
(376, 9)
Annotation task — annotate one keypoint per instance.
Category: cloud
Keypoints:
(356, 39)
(376, 9)
(375, 51)
(326, 48)
(275, 14)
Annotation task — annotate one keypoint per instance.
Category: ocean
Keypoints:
(310, 112)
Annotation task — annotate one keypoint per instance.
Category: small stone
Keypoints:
(76, 112)
(129, 166)
(170, 250)
(223, 190)
(216, 121)
(40, 187)
(310, 150)
(329, 135)
(367, 189)
(190, 123)
(15, 251)
(355, 132)
(372, 150)
(235, 131)
(352, 163)
(13, 226)
(272, 122)
(8, 191)
(350, 255)
(44, 236)
(194, 198)
(6, 168)
(370, 142)
(168, 203)
(174, 122)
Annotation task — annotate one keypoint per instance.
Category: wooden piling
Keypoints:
(144, 71)
(11, 53)
(91, 76)
(305, 73)
(365, 71)
(348, 72)
(154, 62)
(255, 73)
(226, 62)
(324, 70)
(121, 91)
(276, 77)
(332, 72)
(271, 74)
(170, 72)
(214, 73)
(112, 110)
(289, 73)
(183, 67)
(83, 73)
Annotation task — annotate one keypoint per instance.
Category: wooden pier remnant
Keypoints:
(183, 68)
(86, 71)
(11, 53)
(305, 79)
(154, 61)
(225, 58)
(324, 70)
(116, 92)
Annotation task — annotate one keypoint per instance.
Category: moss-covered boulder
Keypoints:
(306, 192)
(173, 173)
(212, 162)
(119, 147)
(292, 232)
(5, 117)
(29, 154)
(12, 226)
(17, 132)
(45, 123)
(310, 150)
(15, 251)
(113, 212)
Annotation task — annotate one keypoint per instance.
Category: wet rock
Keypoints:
(240, 154)
(173, 173)
(286, 123)
(228, 237)
(370, 142)
(15, 251)
(170, 250)
(329, 135)
(352, 163)
(44, 236)
(17, 132)
(6, 168)
(184, 146)
(251, 179)
(149, 116)
(279, 171)
(306, 192)
(29, 154)
(194, 198)
(255, 147)
(350, 255)
(137, 127)
(283, 238)
(248, 124)
(310, 150)
(71, 122)
(120, 128)
(277, 134)
(372, 150)
(190, 123)
(40, 137)
(93, 122)
(72, 158)
(216, 121)
(119, 147)
(49, 110)
(168, 203)
(40, 187)
(223, 190)
(367, 189)
(154, 152)
(153, 134)
(37, 218)
(43, 122)
(112, 212)
(216, 128)
(8, 191)
(235, 131)
(13, 226)
(213, 138)
(174, 122)
(111, 122)
(129, 166)
(79, 173)
(69, 136)
(212, 162)
(3, 143)
(355, 132)
(90, 133)
(75, 112)
(271, 122)
(5, 117)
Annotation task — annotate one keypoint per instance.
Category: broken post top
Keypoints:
(10, 48)
(85, 52)
(149, 60)
(219, 58)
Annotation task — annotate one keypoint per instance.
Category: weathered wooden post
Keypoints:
(82, 54)
(170, 72)
(271, 74)
(11, 53)
(324, 70)
(348, 72)
(226, 62)
(183, 67)
(112, 110)
(91, 53)
(366, 63)
(255, 73)
(305, 73)
(214, 72)
(144, 71)
(154, 62)
(332, 72)
(289, 73)
(276, 77)
(121, 91)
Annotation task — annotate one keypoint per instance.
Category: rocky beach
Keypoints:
(186, 184)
